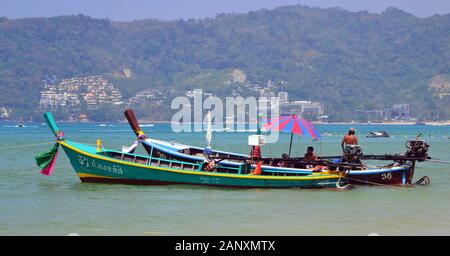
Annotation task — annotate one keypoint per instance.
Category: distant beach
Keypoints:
(434, 123)
(147, 121)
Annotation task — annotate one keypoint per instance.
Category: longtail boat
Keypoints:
(399, 172)
(96, 164)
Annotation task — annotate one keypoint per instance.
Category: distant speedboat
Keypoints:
(102, 125)
(380, 134)
(20, 125)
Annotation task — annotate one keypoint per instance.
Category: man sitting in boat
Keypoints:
(283, 162)
(309, 155)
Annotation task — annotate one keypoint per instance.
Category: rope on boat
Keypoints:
(346, 186)
(27, 145)
(36, 144)
(438, 161)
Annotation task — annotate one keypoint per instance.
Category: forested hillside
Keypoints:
(344, 59)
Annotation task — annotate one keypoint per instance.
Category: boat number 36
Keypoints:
(386, 176)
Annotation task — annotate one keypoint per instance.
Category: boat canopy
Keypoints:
(173, 146)
(166, 149)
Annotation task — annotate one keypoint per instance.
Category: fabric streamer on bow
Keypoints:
(46, 160)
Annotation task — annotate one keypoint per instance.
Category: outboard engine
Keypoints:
(353, 153)
(417, 149)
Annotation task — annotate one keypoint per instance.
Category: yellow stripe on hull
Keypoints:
(87, 175)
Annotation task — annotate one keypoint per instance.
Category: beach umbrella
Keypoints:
(293, 125)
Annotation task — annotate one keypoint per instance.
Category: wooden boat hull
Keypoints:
(400, 175)
(94, 167)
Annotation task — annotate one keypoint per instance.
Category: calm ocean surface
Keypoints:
(33, 204)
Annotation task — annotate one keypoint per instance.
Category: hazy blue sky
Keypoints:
(174, 9)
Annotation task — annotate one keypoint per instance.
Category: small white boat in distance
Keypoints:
(380, 134)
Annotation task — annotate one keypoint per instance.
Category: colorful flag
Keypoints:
(46, 160)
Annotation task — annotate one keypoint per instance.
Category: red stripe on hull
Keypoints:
(123, 181)
(163, 183)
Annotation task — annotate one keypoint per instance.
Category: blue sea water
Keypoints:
(33, 204)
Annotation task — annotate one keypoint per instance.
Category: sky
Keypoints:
(126, 10)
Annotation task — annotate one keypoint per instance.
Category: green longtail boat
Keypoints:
(95, 164)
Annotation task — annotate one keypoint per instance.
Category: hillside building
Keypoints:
(71, 93)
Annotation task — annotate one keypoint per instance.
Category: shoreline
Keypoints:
(432, 123)
(146, 122)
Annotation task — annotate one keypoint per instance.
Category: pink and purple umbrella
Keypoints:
(292, 124)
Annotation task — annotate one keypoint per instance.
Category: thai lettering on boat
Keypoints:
(116, 169)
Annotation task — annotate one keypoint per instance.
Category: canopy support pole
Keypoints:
(151, 155)
(290, 145)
